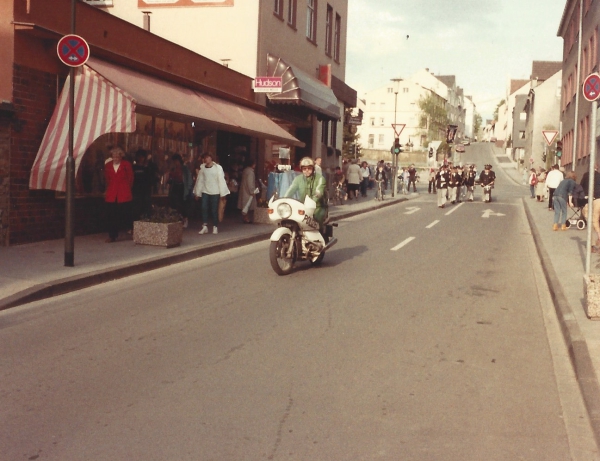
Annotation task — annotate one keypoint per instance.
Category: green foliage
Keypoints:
(434, 116)
(497, 109)
(162, 214)
(477, 124)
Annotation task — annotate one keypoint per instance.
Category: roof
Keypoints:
(448, 80)
(517, 85)
(543, 70)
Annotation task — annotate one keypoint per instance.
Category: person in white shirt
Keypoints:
(210, 186)
(553, 179)
(318, 168)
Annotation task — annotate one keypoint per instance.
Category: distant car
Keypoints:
(466, 142)
(493, 140)
(460, 148)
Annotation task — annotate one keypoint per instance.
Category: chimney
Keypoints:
(147, 20)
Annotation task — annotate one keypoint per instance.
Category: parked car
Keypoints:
(460, 148)
(493, 140)
(466, 142)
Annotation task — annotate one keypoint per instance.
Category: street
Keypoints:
(423, 336)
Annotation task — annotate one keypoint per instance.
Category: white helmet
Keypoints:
(307, 161)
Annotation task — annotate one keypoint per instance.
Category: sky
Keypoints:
(484, 43)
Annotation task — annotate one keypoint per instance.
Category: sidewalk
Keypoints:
(562, 254)
(36, 271)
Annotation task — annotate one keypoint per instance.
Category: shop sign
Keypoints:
(268, 85)
(99, 2)
(355, 120)
(162, 3)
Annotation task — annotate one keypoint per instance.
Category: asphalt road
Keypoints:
(422, 337)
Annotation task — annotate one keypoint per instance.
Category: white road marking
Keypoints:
(412, 209)
(433, 224)
(455, 208)
(487, 213)
(400, 245)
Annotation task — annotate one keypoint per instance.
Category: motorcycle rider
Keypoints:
(312, 184)
(487, 178)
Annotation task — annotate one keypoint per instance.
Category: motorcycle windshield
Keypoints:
(309, 203)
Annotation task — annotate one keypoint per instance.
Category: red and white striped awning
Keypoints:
(100, 108)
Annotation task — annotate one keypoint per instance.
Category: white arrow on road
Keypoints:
(488, 213)
(412, 209)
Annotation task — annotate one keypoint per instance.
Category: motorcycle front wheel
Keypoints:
(278, 251)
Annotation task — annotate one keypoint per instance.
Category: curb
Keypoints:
(578, 349)
(79, 282)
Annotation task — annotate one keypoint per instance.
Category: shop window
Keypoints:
(278, 8)
(325, 131)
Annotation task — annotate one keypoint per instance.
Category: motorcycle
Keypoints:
(297, 237)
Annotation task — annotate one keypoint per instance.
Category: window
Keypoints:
(381, 139)
(328, 30)
(325, 131)
(390, 90)
(311, 20)
(405, 90)
(382, 106)
(521, 135)
(523, 116)
(291, 17)
(382, 121)
(333, 142)
(371, 141)
(337, 38)
(278, 8)
(372, 121)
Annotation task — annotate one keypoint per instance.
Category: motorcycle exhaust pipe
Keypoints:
(332, 242)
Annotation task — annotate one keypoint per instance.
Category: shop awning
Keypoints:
(153, 93)
(100, 108)
(106, 99)
(301, 89)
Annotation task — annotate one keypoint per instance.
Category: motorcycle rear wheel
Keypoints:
(281, 264)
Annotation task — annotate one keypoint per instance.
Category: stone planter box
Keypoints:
(591, 290)
(159, 234)
(261, 216)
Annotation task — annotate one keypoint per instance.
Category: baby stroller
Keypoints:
(579, 201)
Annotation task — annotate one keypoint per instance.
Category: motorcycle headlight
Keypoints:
(284, 210)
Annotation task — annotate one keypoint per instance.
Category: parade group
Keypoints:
(452, 183)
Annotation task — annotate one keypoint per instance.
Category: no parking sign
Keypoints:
(73, 50)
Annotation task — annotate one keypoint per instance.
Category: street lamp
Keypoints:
(395, 156)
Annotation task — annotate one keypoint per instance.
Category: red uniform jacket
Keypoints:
(119, 183)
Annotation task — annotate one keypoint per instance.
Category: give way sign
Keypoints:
(549, 136)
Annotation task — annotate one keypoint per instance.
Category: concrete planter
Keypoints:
(159, 234)
(261, 216)
(591, 290)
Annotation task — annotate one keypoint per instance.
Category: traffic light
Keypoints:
(559, 148)
(358, 150)
(397, 146)
(352, 150)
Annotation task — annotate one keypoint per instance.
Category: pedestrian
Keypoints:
(562, 194)
(553, 179)
(405, 179)
(540, 188)
(412, 177)
(381, 176)
(180, 187)
(247, 191)
(353, 177)
(585, 182)
(142, 186)
(486, 179)
(119, 181)
(533, 180)
(470, 176)
(453, 183)
(365, 176)
(442, 185)
(318, 168)
(210, 187)
(431, 186)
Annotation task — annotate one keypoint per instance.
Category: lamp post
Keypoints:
(394, 156)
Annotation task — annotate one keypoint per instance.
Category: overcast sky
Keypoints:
(483, 42)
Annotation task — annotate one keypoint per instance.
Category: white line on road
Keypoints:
(412, 209)
(455, 208)
(400, 245)
(433, 224)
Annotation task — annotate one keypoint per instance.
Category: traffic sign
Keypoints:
(73, 50)
(549, 136)
(591, 87)
(398, 127)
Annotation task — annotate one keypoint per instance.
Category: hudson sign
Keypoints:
(267, 85)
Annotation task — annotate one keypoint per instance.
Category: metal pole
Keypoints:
(394, 156)
(588, 253)
(70, 177)
(575, 128)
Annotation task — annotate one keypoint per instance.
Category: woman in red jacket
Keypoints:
(119, 180)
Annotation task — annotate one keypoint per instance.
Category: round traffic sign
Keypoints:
(73, 50)
(591, 87)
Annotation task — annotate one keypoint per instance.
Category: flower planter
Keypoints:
(591, 290)
(261, 216)
(159, 234)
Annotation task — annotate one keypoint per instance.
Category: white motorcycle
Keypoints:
(297, 237)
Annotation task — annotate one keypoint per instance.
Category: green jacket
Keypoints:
(314, 187)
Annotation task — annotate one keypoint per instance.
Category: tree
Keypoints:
(477, 124)
(498, 109)
(434, 116)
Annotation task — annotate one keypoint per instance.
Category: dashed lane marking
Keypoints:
(433, 224)
(406, 242)
(455, 208)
